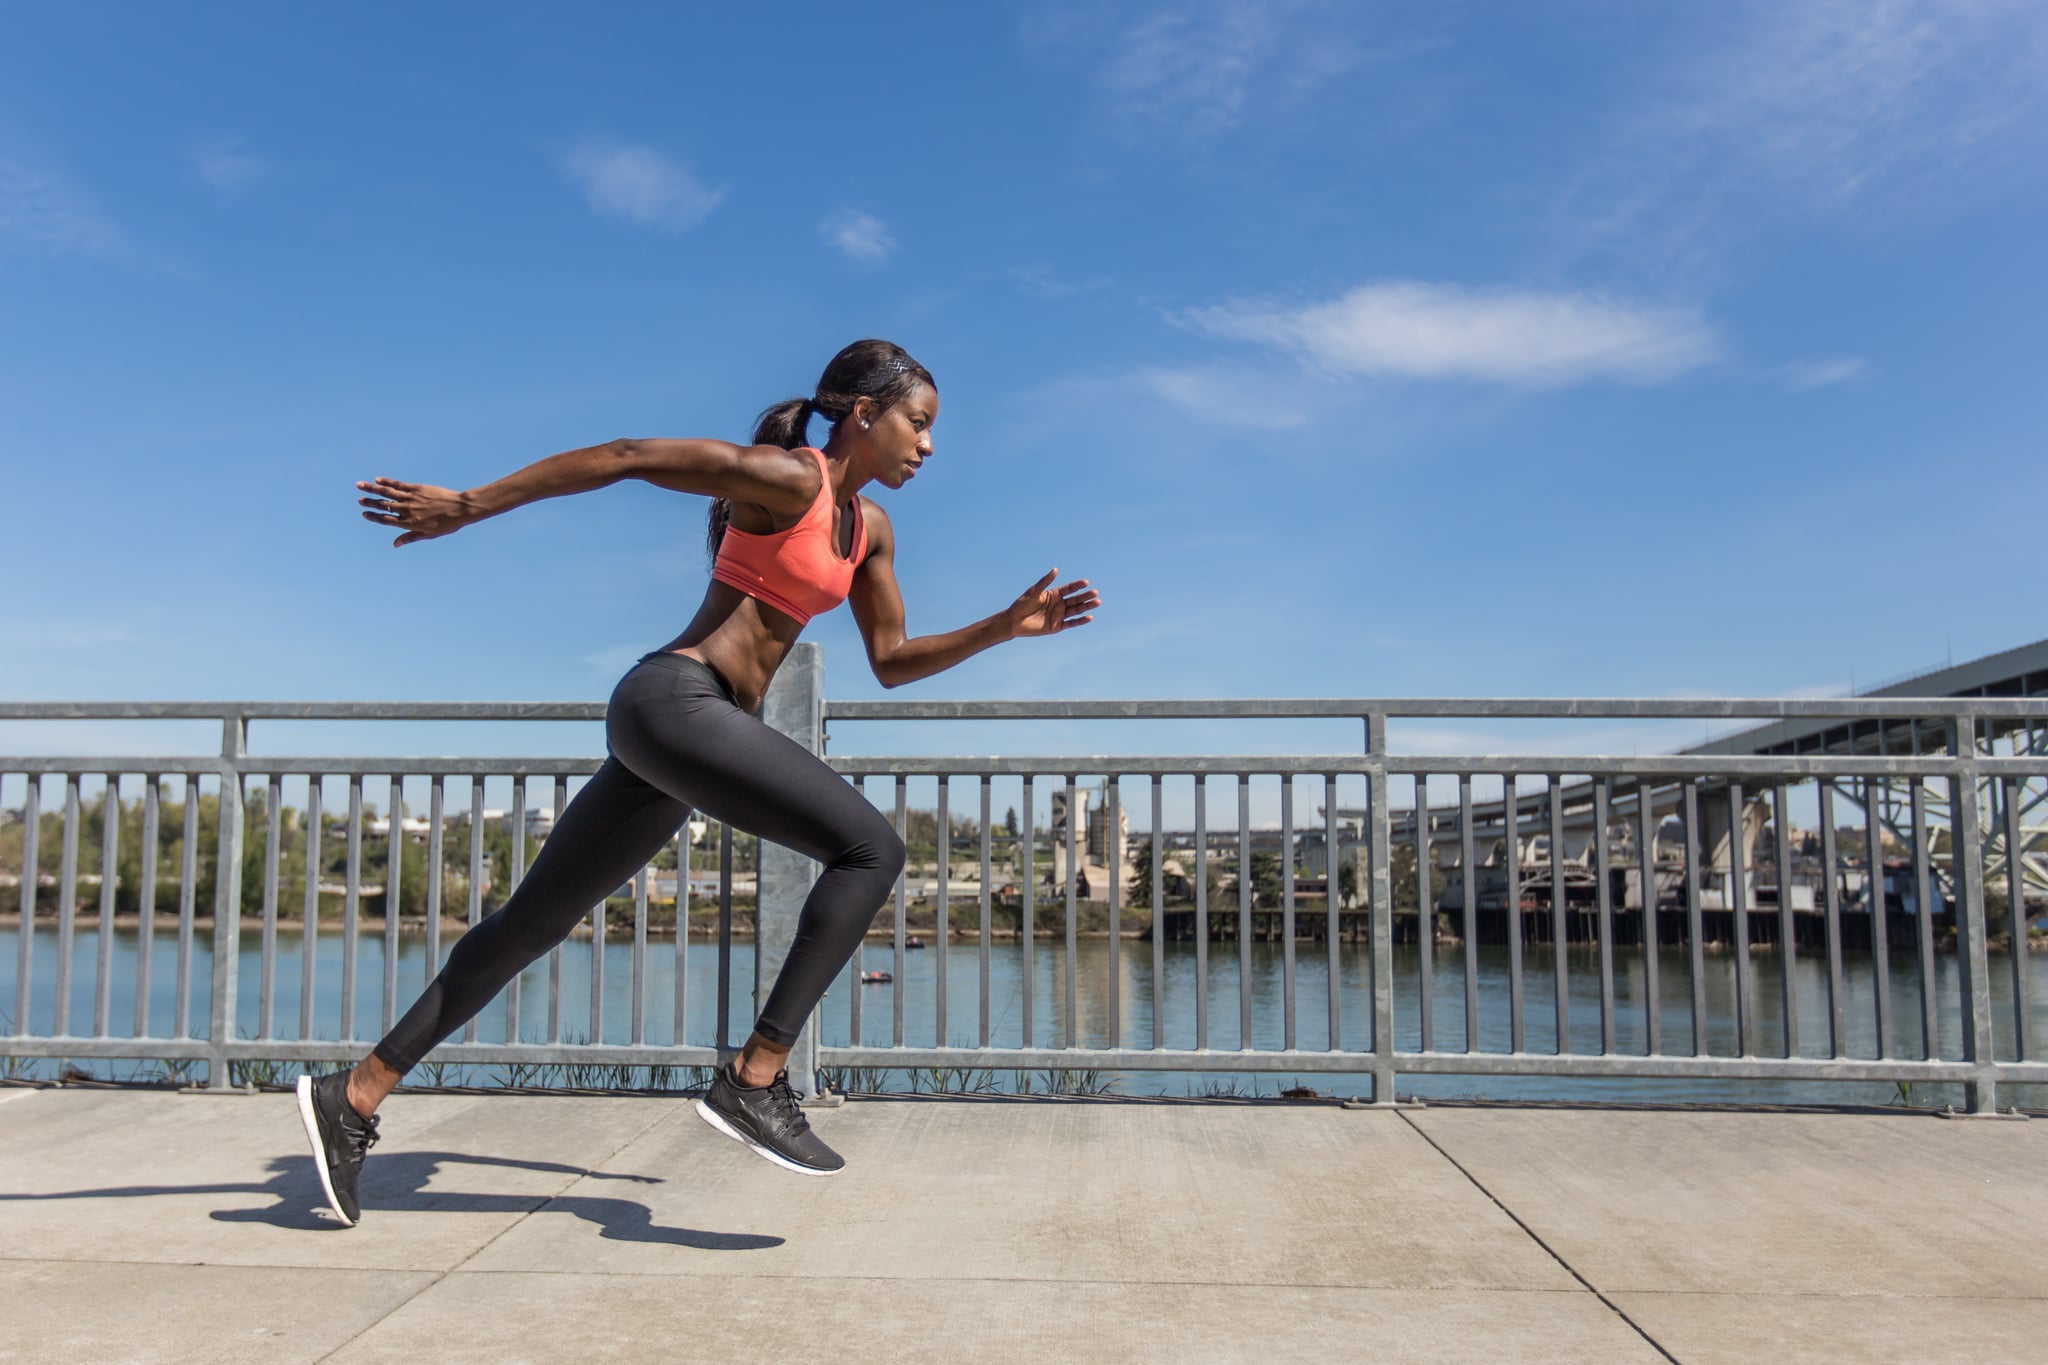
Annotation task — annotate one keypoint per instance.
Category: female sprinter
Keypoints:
(791, 538)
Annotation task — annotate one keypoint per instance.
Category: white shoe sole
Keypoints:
(312, 1122)
(711, 1116)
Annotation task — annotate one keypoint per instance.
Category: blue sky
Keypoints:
(1572, 349)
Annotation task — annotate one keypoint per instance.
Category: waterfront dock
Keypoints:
(145, 1225)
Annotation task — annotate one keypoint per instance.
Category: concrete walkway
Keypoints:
(152, 1226)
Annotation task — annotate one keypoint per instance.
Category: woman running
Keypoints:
(791, 537)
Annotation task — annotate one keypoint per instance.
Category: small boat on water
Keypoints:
(913, 942)
(875, 978)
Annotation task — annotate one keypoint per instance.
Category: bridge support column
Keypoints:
(795, 706)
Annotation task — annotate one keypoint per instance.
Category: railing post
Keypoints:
(227, 901)
(1966, 847)
(795, 706)
(1380, 909)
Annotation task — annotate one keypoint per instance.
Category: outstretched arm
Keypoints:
(898, 658)
(776, 479)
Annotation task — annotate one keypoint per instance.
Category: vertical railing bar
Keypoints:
(1333, 925)
(1603, 905)
(1875, 898)
(856, 965)
(309, 923)
(145, 905)
(1287, 908)
(1469, 918)
(897, 987)
(437, 870)
(67, 899)
(942, 930)
(725, 936)
(273, 855)
(1158, 918)
(1697, 953)
(188, 894)
(1738, 897)
(1511, 857)
(555, 953)
(987, 904)
(1646, 862)
(637, 1008)
(518, 875)
(597, 918)
(1788, 942)
(1560, 928)
(1425, 914)
(679, 951)
(1112, 845)
(394, 876)
(1332, 917)
(1201, 911)
(1244, 911)
(1930, 1022)
(1831, 889)
(1073, 954)
(31, 876)
(2016, 907)
(474, 911)
(110, 852)
(1027, 928)
(351, 906)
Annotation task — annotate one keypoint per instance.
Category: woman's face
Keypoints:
(901, 438)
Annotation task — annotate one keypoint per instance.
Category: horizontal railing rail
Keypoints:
(1450, 944)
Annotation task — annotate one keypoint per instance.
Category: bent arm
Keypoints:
(770, 476)
(767, 475)
(897, 657)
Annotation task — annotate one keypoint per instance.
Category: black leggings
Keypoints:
(677, 740)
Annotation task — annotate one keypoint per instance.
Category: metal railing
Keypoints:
(1636, 952)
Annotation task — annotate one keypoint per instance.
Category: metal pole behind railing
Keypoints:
(783, 878)
(227, 903)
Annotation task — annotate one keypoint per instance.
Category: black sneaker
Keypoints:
(769, 1120)
(340, 1136)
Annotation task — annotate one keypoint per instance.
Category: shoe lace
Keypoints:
(360, 1140)
(788, 1110)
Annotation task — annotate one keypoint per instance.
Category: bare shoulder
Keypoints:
(881, 535)
(794, 470)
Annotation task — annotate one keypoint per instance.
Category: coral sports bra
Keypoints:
(798, 571)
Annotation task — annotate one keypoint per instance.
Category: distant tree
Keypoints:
(1347, 883)
(1266, 879)
(1138, 893)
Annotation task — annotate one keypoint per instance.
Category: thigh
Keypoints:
(735, 769)
(603, 836)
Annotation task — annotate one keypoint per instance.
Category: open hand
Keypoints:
(420, 510)
(1042, 609)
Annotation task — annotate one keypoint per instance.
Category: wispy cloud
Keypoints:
(640, 185)
(228, 165)
(1420, 330)
(1201, 67)
(1813, 108)
(862, 236)
(43, 209)
(1819, 372)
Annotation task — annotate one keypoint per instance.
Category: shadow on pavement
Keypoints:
(398, 1182)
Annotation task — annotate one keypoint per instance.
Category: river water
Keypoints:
(1090, 1023)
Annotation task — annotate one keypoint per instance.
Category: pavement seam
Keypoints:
(493, 1238)
(1530, 1232)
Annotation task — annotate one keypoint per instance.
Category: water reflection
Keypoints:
(1041, 969)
